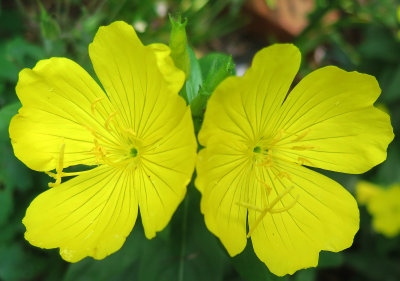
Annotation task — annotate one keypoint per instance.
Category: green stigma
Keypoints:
(133, 152)
(257, 149)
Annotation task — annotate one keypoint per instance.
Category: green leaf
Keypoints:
(6, 203)
(6, 113)
(379, 44)
(8, 70)
(17, 264)
(330, 259)
(19, 53)
(49, 27)
(374, 267)
(192, 86)
(389, 82)
(308, 274)
(13, 174)
(388, 172)
(191, 252)
(251, 268)
(215, 68)
(114, 267)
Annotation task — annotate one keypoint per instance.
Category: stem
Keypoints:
(184, 230)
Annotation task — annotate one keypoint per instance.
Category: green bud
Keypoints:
(49, 27)
(178, 45)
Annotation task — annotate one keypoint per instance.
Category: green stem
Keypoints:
(183, 244)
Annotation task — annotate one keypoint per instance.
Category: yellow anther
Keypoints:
(270, 207)
(59, 169)
(304, 161)
(99, 151)
(265, 185)
(101, 155)
(107, 123)
(277, 137)
(302, 135)
(282, 175)
(303, 147)
(94, 103)
(267, 162)
(130, 132)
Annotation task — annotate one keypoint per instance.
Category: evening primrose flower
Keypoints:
(258, 140)
(138, 135)
(383, 204)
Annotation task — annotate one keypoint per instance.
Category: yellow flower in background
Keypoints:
(383, 204)
(138, 134)
(258, 140)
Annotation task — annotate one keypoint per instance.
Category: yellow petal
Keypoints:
(90, 215)
(365, 191)
(328, 121)
(165, 170)
(57, 97)
(222, 179)
(320, 215)
(135, 78)
(384, 207)
(253, 99)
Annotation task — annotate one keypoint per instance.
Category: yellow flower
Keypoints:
(383, 204)
(257, 141)
(138, 134)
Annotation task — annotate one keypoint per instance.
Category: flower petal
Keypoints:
(165, 170)
(89, 215)
(222, 178)
(384, 206)
(328, 121)
(57, 97)
(365, 191)
(320, 215)
(141, 81)
(253, 99)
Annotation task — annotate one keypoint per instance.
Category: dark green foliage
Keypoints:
(366, 38)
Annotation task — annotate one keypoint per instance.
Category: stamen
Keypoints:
(107, 123)
(249, 206)
(269, 208)
(267, 162)
(303, 147)
(282, 175)
(59, 168)
(265, 185)
(101, 155)
(130, 132)
(94, 103)
(302, 135)
(278, 137)
(281, 210)
(304, 161)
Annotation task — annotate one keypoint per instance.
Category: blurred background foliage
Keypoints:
(362, 35)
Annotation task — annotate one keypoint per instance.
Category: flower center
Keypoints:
(133, 152)
(257, 149)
